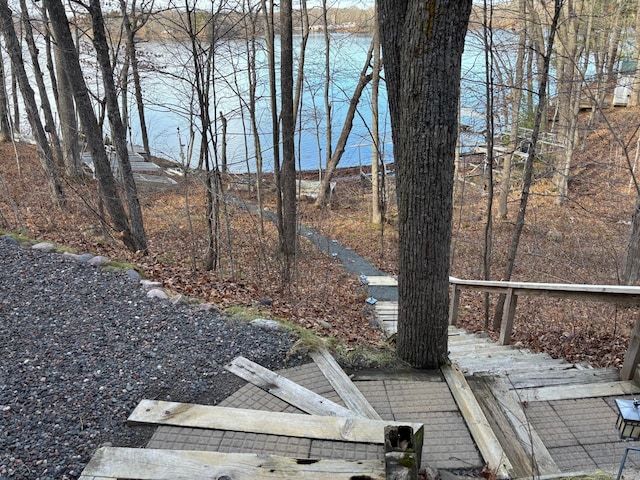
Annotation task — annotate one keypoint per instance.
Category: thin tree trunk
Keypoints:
(253, 82)
(131, 28)
(44, 151)
(377, 196)
(5, 127)
(327, 90)
(488, 228)
(273, 96)
(50, 126)
(516, 95)
(634, 98)
(528, 168)
(364, 79)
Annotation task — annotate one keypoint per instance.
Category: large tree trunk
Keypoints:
(422, 42)
(288, 178)
(108, 187)
(118, 133)
(44, 151)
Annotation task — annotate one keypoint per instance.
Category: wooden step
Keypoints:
(567, 376)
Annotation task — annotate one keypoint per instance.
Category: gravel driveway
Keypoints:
(82, 346)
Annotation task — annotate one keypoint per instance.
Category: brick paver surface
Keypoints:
(427, 399)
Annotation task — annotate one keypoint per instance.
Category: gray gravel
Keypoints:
(81, 346)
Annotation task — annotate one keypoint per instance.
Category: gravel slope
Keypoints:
(82, 346)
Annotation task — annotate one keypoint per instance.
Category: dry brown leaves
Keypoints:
(582, 241)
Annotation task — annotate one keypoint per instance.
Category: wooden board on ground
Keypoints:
(500, 425)
(527, 436)
(344, 387)
(381, 281)
(567, 392)
(286, 390)
(477, 423)
(359, 430)
(160, 464)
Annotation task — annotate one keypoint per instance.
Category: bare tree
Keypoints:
(5, 127)
(91, 128)
(332, 164)
(118, 132)
(49, 125)
(531, 155)
(44, 151)
(288, 240)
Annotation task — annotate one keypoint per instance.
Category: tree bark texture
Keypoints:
(50, 126)
(44, 150)
(118, 132)
(5, 127)
(422, 43)
(91, 128)
(631, 264)
(336, 156)
(288, 176)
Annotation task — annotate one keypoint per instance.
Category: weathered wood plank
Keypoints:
(381, 281)
(508, 315)
(454, 306)
(160, 464)
(286, 390)
(567, 392)
(477, 423)
(91, 477)
(632, 357)
(359, 430)
(566, 376)
(344, 387)
(500, 425)
(512, 408)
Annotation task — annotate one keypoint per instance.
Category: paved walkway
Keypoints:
(579, 433)
(423, 397)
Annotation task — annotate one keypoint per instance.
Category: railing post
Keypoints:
(454, 305)
(508, 313)
(632, 357)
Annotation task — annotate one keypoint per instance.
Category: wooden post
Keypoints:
(507, 317)
(632, 357)
(454, 305)
(403, 452)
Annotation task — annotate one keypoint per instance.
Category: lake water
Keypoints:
(169, 98)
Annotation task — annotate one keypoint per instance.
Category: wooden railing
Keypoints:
(622, 295)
